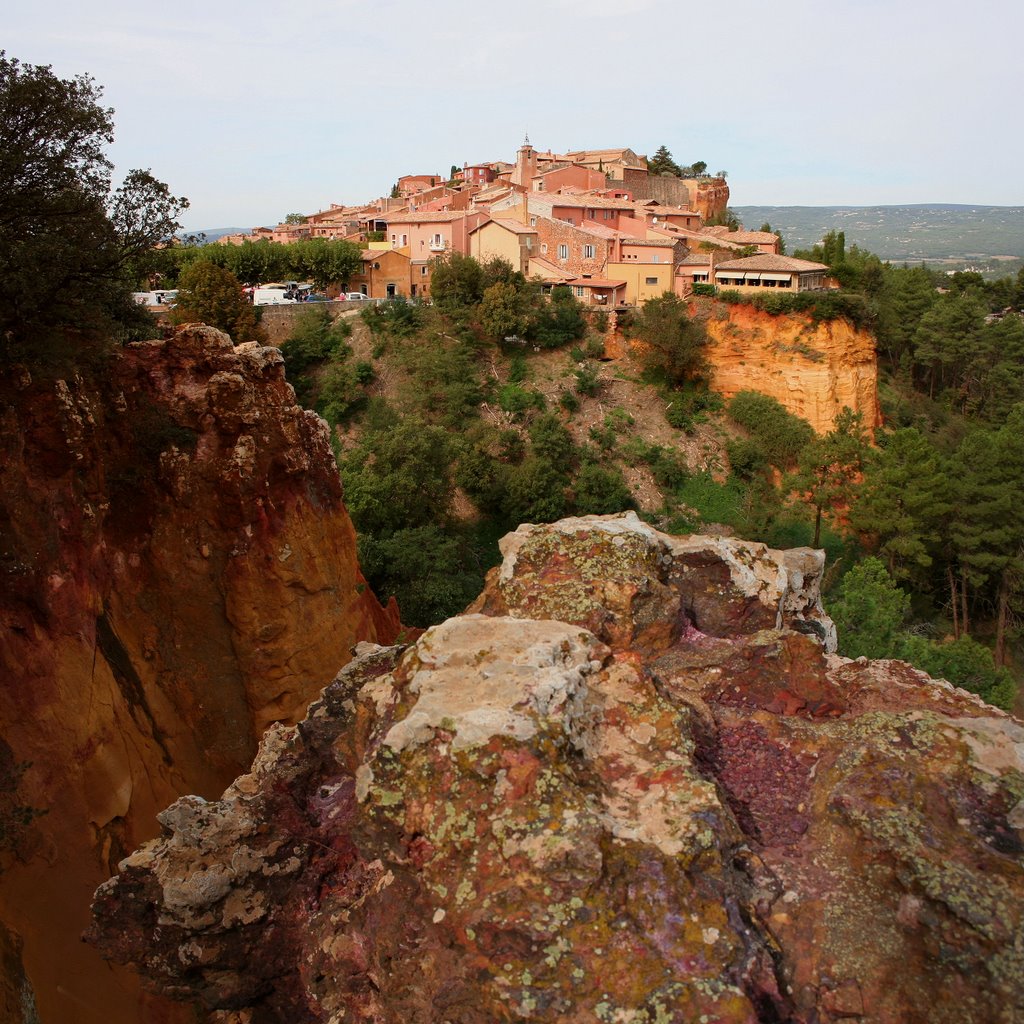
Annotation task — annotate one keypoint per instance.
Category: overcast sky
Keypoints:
(254, 110)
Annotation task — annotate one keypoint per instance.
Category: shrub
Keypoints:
(516, 400)
(600, 491)
(869, 611)
(963, 662)
(781, 435)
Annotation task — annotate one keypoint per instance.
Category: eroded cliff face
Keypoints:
(179, 572)
(632, 785)
(710, 197)
(814, 370)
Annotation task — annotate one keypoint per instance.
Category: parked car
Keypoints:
(356, 297)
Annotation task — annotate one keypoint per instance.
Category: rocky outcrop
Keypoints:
(710, 197)
(179, 571)
(631, 785)
(814, 370)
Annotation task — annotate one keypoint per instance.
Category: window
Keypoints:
(579, 291)
(650, 280)
(533, 222)
(563, 252)
(655, 258)
(543, 247)
(588, 252)
(423, 271)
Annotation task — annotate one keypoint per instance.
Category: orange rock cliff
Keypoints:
(179, 571)
(814, 370)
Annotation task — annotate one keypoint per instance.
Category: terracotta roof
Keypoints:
(434, 216)
(367, 255)
(582, 200)
(768, 262)
(515, 226)
(696, 259)
(596, 282)
(594, 227)
(751, 236)
(662, 243)
(555, 270)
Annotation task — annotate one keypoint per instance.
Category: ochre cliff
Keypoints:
(179, 571)
(632, 785)
(710, 197)
(814, 370)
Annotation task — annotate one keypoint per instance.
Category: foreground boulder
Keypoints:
(631, 785)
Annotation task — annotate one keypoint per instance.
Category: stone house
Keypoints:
(385, 274)
(505, 239)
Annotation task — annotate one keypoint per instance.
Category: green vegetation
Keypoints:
(209, 294)
(69, 243)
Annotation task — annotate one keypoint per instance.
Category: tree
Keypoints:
(662, 163)
(904, 503)
(212, 295)
(829, 468)
(674, 343)
(295, 218)
(503, 311)
(698, 167)
(778, 234)
(456, 283)
(868, 611)
(67, 242)
(399, 478)
(988, 531)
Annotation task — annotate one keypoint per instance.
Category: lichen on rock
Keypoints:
(631, 785)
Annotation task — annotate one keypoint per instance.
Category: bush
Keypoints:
(587, 380)
(536, 492)
(569, 402)
(869, 611)
(517, 400)
(551, 440)
(601, 491)
(781, 435)
(963, 662)
(746, 457)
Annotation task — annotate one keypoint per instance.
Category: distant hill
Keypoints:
(212, 234)
(937, 233)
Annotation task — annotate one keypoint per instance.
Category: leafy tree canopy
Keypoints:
(212, 295)
(66, 237)
(675, 343)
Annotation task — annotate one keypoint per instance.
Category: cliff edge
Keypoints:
(632, 784)
(179, 571)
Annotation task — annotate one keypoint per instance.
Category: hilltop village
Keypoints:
(607, 223)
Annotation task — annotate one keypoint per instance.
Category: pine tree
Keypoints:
(829, 468)
(904, 502)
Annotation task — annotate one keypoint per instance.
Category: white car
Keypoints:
(356, 297)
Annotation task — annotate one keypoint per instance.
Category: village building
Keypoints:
(505, 239)
(413, 184)
(757, 273)
(385, 274)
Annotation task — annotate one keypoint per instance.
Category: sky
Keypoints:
(255, 110)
